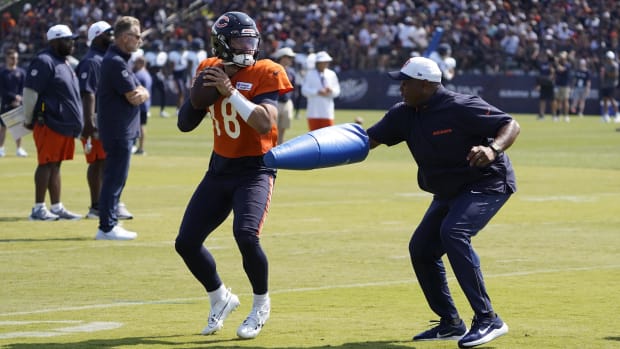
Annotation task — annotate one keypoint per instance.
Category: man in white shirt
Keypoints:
(320, 86)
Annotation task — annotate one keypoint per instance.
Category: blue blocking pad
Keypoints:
(326, 147)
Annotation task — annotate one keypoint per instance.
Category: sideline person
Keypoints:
(244, 129)
(12, 88)
(285, 57)
(320, 86)
(53, 110)
(100, 37)
(458, 142)
(119, 96)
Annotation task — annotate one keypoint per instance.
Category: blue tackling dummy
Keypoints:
(326, 147)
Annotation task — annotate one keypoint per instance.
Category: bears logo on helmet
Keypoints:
(230, 27)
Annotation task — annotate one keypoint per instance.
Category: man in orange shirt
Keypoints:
(244, 128)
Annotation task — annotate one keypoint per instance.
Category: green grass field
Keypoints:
(337, 240)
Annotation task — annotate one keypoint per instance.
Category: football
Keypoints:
(201, 96)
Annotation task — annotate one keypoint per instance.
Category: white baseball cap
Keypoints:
(97, 29)
(284, 52)
(419, 68)
(610, 55)
(60, 31)
(323, 56)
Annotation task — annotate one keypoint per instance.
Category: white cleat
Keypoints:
(251, 326)
(219, 312)
(117, 233)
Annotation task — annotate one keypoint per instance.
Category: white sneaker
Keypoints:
(220, 311)
(2, 153)
(42, 214)
(250, 328)
(117, 233)
(164, 114)
(122, 212)
(606, 118)
(20, 152)
(63, 213)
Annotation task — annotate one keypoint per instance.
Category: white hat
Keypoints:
(323, 56)
(60, 31)
(610, 55)
(284, 51)
(97, 29)
(420, 68)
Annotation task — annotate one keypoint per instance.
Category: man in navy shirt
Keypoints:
(118, 99)
(458, 142)
(53, 110)
(11, 86)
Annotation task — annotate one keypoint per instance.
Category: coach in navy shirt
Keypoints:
(458, 142)
(118, 99)
(53, 110)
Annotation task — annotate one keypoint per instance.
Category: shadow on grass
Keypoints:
(45, 239)
(611, 338)
(213, 344)
(14, 219)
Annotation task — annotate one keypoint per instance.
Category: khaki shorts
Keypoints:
(285, 114)
(562, 93)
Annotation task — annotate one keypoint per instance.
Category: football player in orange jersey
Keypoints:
(244, 128)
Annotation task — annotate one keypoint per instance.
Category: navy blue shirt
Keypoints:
(88, 70)
(440, 134)
(117, 119)
(291, 77)
(59, 101)
(11, 85)
(582, 77)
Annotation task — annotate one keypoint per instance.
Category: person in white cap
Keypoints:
(320, 86)
(285, 56)
(100, 37)
(609, 80)
(458, 142)
(53, 110)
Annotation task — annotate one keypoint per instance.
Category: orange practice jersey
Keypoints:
(233, 138)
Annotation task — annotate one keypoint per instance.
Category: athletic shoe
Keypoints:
(447, 329)
(122, 212)
(220, 311)
(93, 213)
(117, 233)
(63, 213)
(251, 326)
(2, 153)
(134, 149)
(139, 152)
(483, 330)
(164, 114)
(42, 214)
(20, 152)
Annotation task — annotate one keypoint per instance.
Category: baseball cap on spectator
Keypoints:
(610, 55)
(419, 68)
(323, 56)
(60, 31)
(97, 29)
(284, 51)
